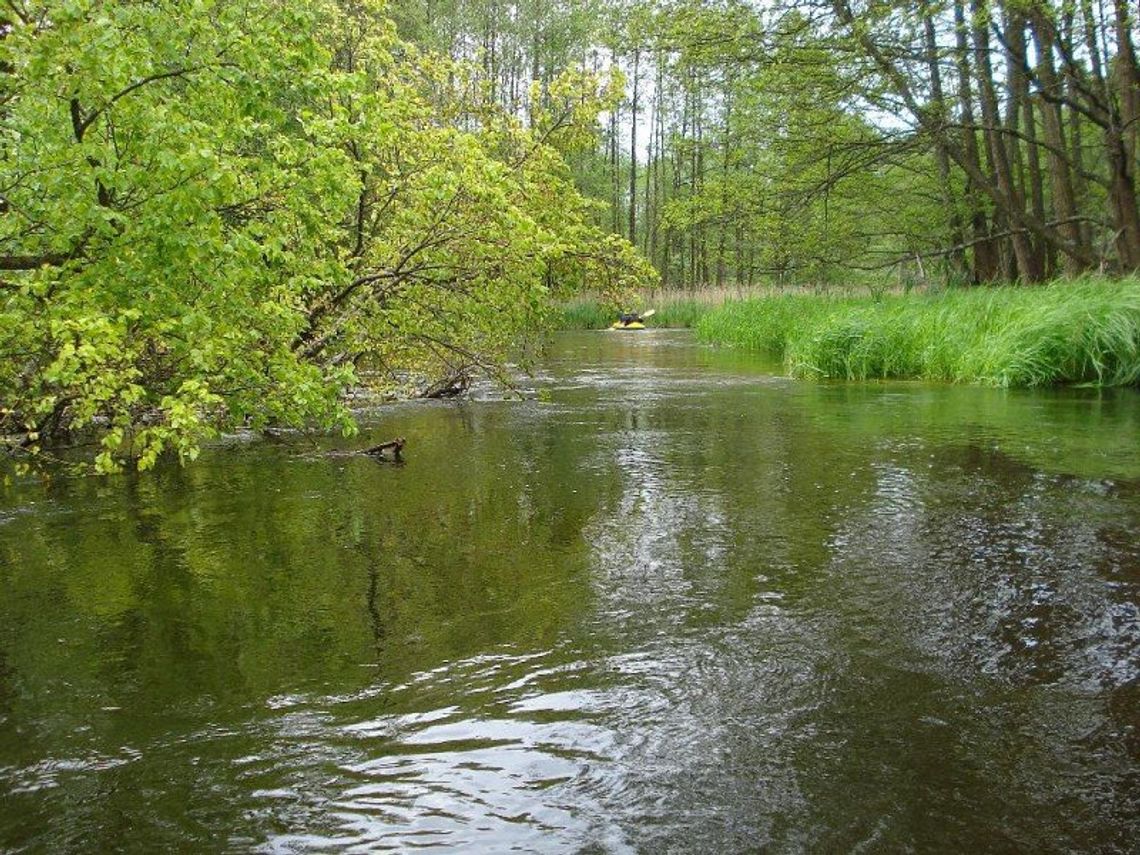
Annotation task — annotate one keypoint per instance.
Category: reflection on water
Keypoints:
(684, 604)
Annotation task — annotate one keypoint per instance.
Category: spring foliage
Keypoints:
(215, 213)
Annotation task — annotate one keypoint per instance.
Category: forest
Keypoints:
(227, 213)
(975, 142)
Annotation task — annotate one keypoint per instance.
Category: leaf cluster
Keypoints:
(224, 214)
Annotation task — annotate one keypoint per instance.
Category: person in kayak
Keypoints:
(632, 320)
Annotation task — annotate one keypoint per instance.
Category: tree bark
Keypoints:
(985, 253)
(1122, 140)
(1029, 267)
(633, 149)
(958, 258)
(1060, 176)
(1021, 107)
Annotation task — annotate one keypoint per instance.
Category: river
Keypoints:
(671, 601)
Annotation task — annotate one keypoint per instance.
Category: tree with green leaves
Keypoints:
(212, 217)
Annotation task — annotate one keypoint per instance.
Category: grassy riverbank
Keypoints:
(683, 309)
(1083, 331)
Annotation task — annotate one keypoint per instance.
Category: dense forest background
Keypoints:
(813, 141)
(228, 213)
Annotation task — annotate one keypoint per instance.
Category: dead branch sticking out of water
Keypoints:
(388, 451)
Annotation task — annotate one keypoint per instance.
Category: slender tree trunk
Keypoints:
(633, 149)
(1122, 195)
(694, 180)
(1078, 183)
(698, 184)
(1060, 175)
(985, 256)
(726, 148)
(1032, 184)
(1028, 265)
(652, 222)
(535, 60)
(615, 191)
(646, 211)
(679, 164)
(957, 258)
(738, 256)
(1122, 140)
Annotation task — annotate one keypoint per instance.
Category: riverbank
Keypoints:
(682, 309)
(1066, 332)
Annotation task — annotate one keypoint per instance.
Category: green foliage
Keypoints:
(213, 217)
(1084, 332)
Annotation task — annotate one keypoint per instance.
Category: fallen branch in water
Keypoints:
(451, 386)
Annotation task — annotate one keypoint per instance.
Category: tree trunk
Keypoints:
(1021, 107)
(723, 202)
(1029, 266)
(1060, 176)
(1127, 79)
(985, 254)
(957, 259)
(1079, 184)
(1122, 141)
(633, 149)
(615, 193)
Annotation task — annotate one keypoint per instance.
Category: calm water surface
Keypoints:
(671, 603)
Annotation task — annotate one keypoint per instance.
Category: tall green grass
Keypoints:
(679, 313)
(1077, 331)
(584, 314)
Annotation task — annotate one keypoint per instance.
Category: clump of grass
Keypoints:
(584, 314)
(679, 313)
(1076, 331)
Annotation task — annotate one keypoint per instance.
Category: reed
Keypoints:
(673, 309)
(1073, 331)
(583, 314)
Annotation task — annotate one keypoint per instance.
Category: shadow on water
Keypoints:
(680, 603)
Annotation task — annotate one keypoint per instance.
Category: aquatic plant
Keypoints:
(1071, 331)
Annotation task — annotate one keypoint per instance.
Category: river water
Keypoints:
(670, 602)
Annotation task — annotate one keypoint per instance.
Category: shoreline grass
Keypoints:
(1084, 331)
(591, 314)
(673, 309)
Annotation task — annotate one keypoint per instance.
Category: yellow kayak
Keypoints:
(633, 325)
